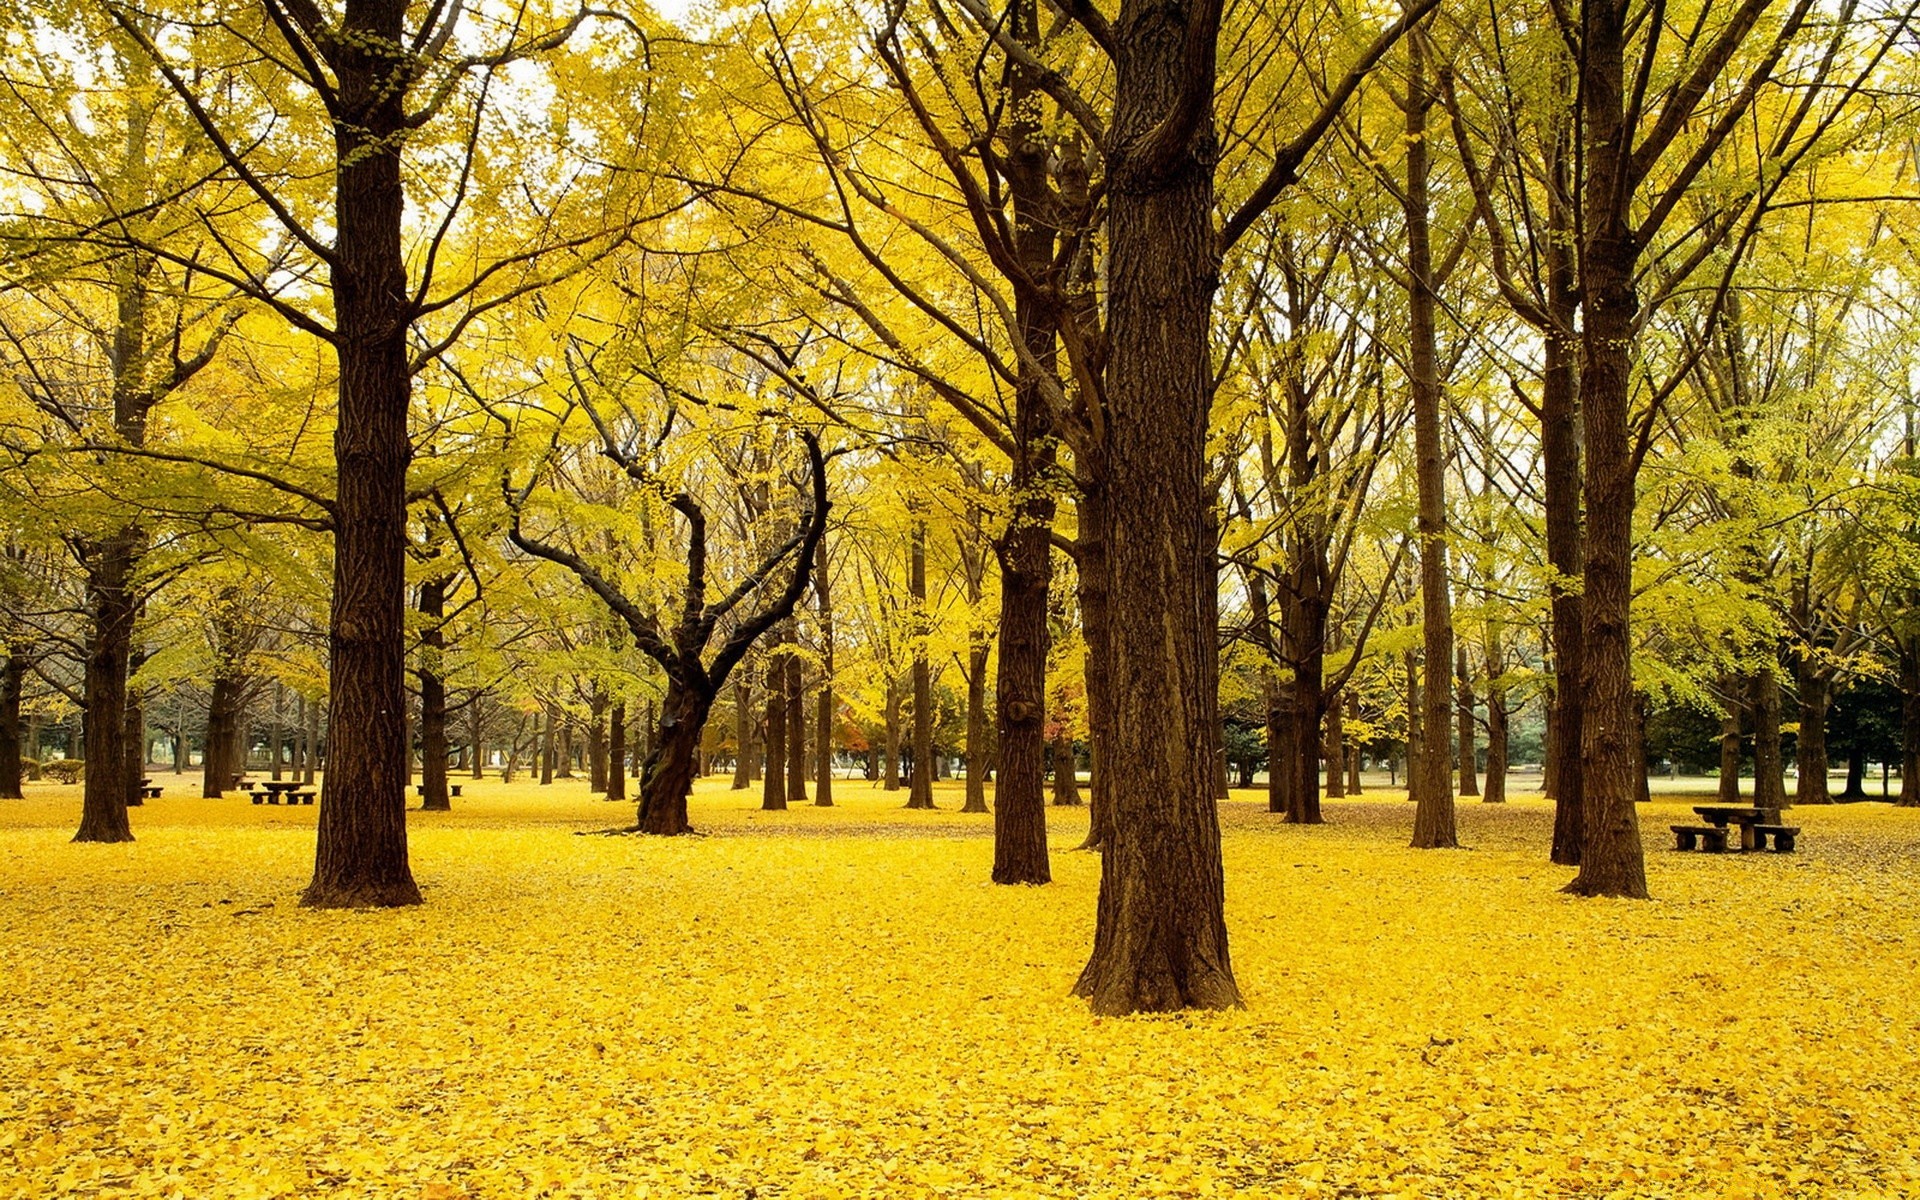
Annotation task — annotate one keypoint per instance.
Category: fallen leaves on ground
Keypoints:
(857, 1012)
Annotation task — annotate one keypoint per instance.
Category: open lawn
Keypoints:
(835, 1002)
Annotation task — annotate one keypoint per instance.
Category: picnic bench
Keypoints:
(453, 789)
(274, 791)
(149, 790)
(1758, 826)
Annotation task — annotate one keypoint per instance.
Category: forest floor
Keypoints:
(856, 1011)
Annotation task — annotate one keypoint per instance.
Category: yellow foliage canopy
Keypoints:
(826, 1003)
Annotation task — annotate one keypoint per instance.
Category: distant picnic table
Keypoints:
(273, 791)
(1758, 826)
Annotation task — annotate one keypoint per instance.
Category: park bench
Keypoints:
(1782, 836)
(272, 791)
(1712, 837)
(149, 791)
(453, 789)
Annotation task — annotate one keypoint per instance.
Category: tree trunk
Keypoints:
(597, 744)
(773, 787)
(1729, 790)
(1432, 785)
(1091, 540)
(920, 783)
(434, 796)
(1463, 677)
(824, 711)
(313, 741)
(1612, 860)
(1566, 551)
(1066, 778)
(977, 751)
(1160, 935)
(1856, 788)
(547, 742)
(743, 730)
(1769, 776)
(1496, 789)
(13, 678)
(563, 768)
(360, 856)
(617, 753)
(1336, 748)
(672, 766)
(274, 767)
(109, 568)
(217, 767)
(1909, 726)
(796, 708)
(1810, 744)
(890, 775)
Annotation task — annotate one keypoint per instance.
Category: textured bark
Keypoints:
(548, 741)
(1495, 791)
(773, 786)
(1909, 726)
(796, 727)
(617, 753)
(564, 759)
(1160, 937)
(360, 856)
(1463, 713)
(977, 751)
(1091, 541)
(313, 742)
(920, 784)
(1336, 748)
(434, 796)
(667, 779)
(1066, 778)
(13, 677)
(825, 706)
(1566, 547)
(1810, 744)
(597, 743)
(1728, 791)
(217, 765)
(890, 774)
(1769, 776)
(743, 741)
(1612, 861)
(110, 611)
(1432, 784)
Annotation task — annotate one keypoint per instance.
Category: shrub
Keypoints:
(64, 770)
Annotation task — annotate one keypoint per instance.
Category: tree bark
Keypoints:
(920, 783)
(1909, 725)
(1810, 744)
(1612, 860)
(773, 787)
(743, 739)
(1160, 936)
(13, 678)
(1728, 792)
(1066, 777)
(1336, 751)
(1497, 734)
(547, 743)
(617, 753)
(796, 708)
(890, 776)
(360, 856)
(434, 796)
(1463, 678)
(110, 597)
(977, 752)
(1091, 540)
(597, 743)
(825, 706)
(668, 778)
(1432, 785)
(1769, 776)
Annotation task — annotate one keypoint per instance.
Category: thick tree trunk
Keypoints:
(1810, 744)
(548, 740)
(1497, 735)
(977, 751)
(920, 783)
(1432, 785)
(1566, 550)
(1612, 860)
(1091, 540)
(796, 707)
(1856, 786)
(566, 760)
(134, 769)
(825, 706)
(1066, 778)
(597, 745)
(111, 605)
(1909, 726)
(360, 856)
(275, 768)
(1160, 936)
(217, 767)
(890, 775)
(1728, 792)
(743, 740)
(617, 753)
(1769, 775)
(773, 786)
(13, 678)
(1336, 748)
(434, 796)
(673, 765)
(1463, 713)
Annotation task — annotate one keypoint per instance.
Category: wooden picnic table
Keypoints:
(272, 791)
(149, 789)
(1757, 826)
